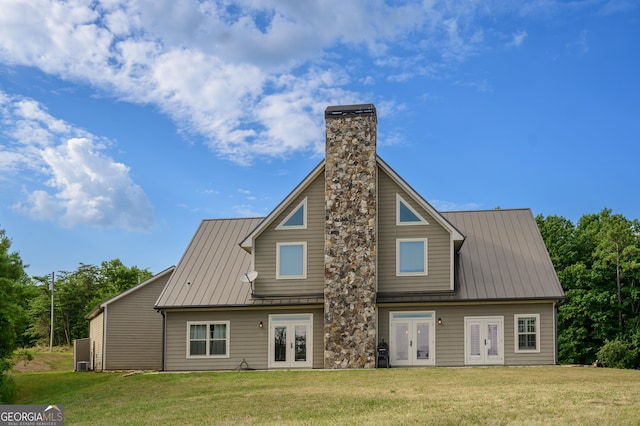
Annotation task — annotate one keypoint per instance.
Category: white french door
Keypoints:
(484, 340)
(412, 338)
(291, 341)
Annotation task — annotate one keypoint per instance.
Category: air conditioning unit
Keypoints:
(82, 366)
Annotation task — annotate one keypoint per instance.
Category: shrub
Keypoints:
(8, 387)
(616, 354)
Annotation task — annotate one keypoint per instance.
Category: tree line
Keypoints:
(598, 263)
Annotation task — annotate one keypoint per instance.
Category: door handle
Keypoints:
(410, 343)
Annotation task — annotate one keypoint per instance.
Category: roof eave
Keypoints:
(247, 243)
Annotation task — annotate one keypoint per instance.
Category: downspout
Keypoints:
(164, 330)
(555, 331)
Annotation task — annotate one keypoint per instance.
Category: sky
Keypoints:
(125, 123)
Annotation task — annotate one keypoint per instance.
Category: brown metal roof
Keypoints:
(210, 270)
(503, 258)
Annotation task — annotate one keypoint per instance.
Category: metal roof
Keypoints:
(210, 269)
(503, 259)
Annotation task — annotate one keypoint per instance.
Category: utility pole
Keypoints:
(53, 279)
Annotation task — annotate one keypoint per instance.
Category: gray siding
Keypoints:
(248, 342)
(96, 326)
(438, 244)
(450, 334)
(134, 330)
(265, 247)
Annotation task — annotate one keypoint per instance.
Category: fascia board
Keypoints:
(455, 234)
(247, 243)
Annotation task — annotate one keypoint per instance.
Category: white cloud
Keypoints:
(517, 39)
(449, 206)
(81, 184)
(233, 73)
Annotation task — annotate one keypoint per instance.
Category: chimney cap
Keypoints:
(350, 110)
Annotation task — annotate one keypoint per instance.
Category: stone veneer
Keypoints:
(350, 237)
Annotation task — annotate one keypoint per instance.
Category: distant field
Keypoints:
(497, 395)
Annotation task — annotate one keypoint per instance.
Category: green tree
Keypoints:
(11, 312)
(598, 264)
(76, 293)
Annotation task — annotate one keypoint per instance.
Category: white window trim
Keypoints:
(208, 323)
(399, 200)
(516, 317)
(426, 257)
(282, 225)
(304, 261)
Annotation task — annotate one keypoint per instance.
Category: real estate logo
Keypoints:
(31, 415)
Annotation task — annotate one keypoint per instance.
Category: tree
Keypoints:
(76, 293)
(11, 312)
(598, 264)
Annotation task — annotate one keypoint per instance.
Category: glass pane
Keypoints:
(422, 331)
(527, 341)
(291, 318)
(493, 339)
(198, 331)
(291, 260)
(198, 347)
(218, 331)
(407, 215)
(280, 344)
(474, 339)
(412, 256)
(402, 341)
(301, 343)
(218, 347)
(296, 219)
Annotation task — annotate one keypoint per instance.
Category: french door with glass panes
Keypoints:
(483, 340)
(412, 338)
(291, 341)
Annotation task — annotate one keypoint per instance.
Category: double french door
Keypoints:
(484, 340)
(412, 338)
(291, 341)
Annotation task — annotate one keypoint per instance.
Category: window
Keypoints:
(411, 256)
(406, 215)
(297, 219)
(291, 260)
(527, 333)
(208, 339)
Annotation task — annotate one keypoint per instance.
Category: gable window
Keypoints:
(411, 256)
(297, 219)
(291, 260)
(527, 333)
(406, 215)
(208, 339)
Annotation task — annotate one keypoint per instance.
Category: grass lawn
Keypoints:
(497, 395)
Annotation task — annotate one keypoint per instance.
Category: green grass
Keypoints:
(501, 395)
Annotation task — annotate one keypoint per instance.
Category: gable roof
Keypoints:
(210, 269)
(247, 243)
(503, 258)
(100, 308)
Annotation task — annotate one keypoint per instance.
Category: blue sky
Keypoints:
(124, 123)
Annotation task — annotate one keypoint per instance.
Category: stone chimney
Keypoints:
(350, 237)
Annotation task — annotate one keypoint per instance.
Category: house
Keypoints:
(354, 256)
(125, 332)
